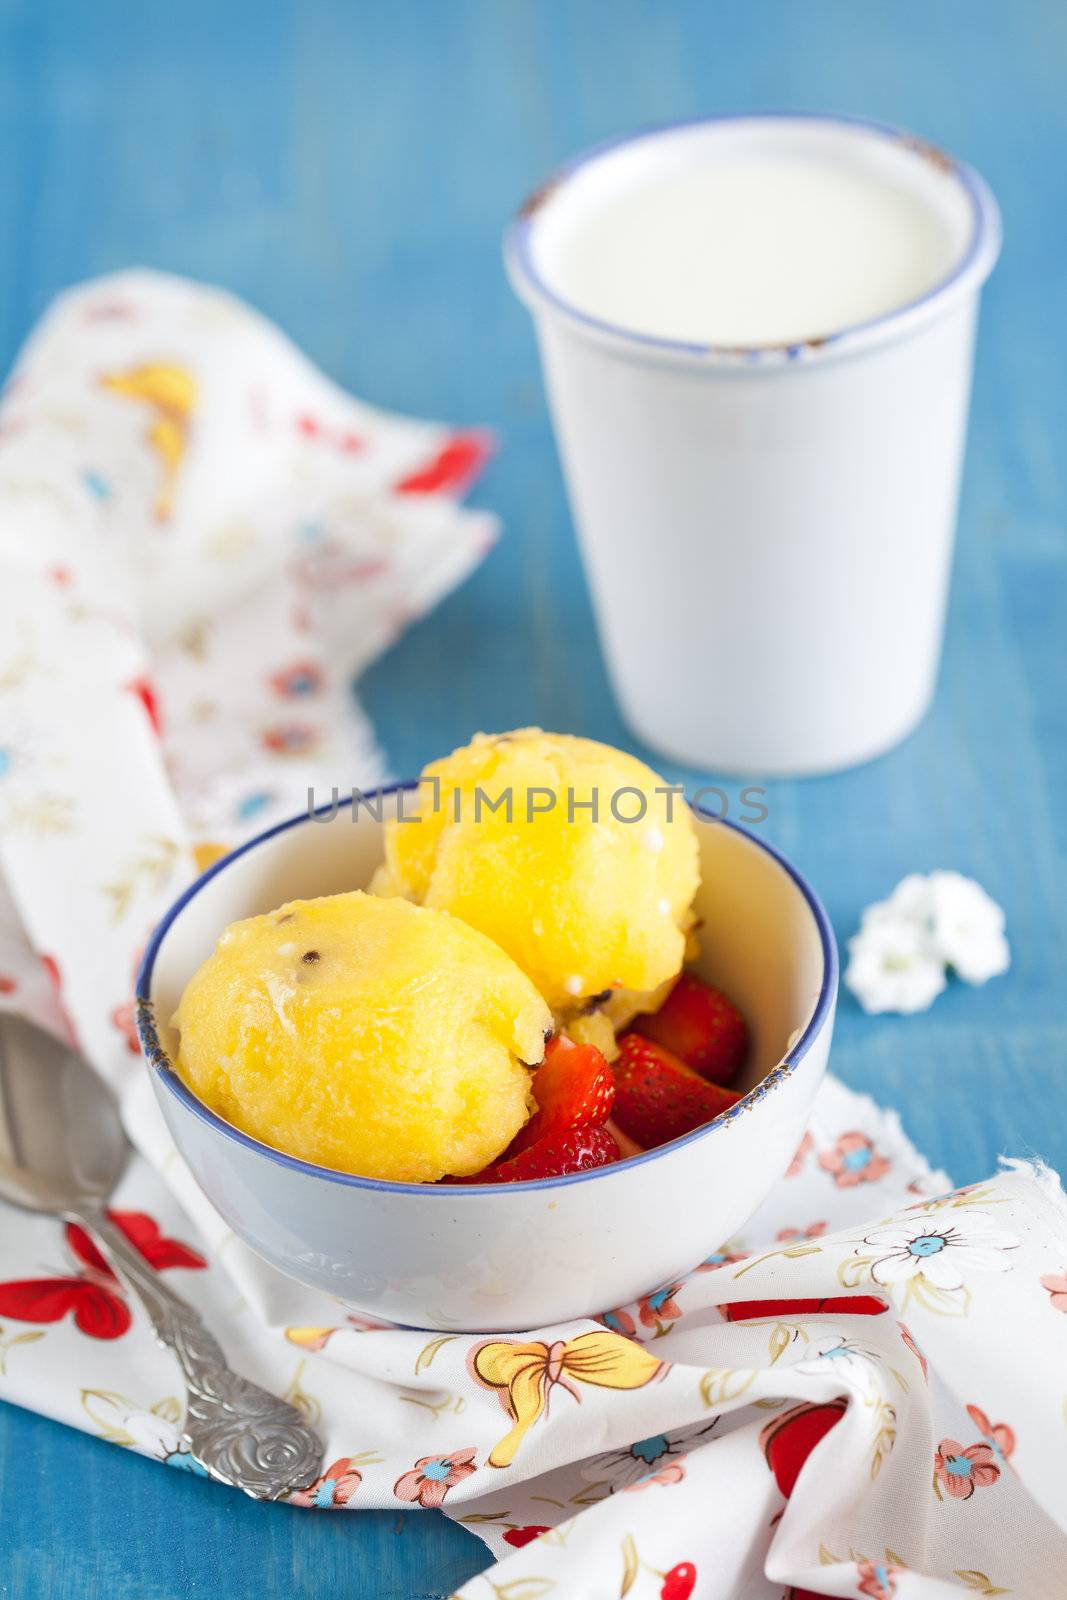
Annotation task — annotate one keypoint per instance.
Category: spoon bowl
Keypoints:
(62, 1145)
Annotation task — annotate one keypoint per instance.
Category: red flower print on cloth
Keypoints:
(55, 978)
(814, 1230)
(931, 1196)
(335, 1488)
(1056, 1284)
(906, 1335)
(94, 1294)
(325, 570)
(290, 738)
(961, 1471)
(670, 1472)
(518, 1537)
(453, 469)
(654, 1311)
(7, 985)
(317, 1339)
(852, 1160)
(342, 439)
(433, 1476)
(997, 1435)
(297, 679)
(124, 1018)
(722, 1258)
(800, 1156)
(124, 1015)
(876, 1579)
(659, 1307)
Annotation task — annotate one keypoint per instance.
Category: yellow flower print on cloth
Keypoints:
(525, 1374)
(171, 392)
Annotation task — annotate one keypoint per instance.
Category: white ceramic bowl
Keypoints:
(513, 1256)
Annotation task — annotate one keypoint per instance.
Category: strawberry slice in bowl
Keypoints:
(658, 1098)
(553, 1156)
(573, 1088)
(701, 1027)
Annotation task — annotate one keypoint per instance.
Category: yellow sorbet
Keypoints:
(582, 903)
(364, 1034)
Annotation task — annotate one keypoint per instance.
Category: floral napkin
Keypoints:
(201, 540)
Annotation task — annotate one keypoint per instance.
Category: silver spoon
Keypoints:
(62, 1151)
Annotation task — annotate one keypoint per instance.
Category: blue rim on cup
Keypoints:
(968, 273)
(160, 1064)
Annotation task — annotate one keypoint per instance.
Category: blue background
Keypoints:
(348, 168)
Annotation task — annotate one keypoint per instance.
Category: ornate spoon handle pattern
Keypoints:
(239, 1433)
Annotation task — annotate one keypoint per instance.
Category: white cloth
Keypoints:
(199, 531)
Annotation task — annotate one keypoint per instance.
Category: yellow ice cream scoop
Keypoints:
(364, 1034)
(572, 856)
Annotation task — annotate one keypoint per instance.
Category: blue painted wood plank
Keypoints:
(84, 1520)
(349, 169)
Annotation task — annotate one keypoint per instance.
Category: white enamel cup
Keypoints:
(767, 532)
(511, 1256)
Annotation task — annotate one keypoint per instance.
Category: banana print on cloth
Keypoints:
(171, 394)
(524, 1375)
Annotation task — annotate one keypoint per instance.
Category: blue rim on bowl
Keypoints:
(973, 267)
(160, 1063)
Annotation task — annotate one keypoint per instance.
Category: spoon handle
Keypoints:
(237, 1431)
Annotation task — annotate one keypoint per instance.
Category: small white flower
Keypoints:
(893, 966)
(899, 956)
(939, 1247)
(967, 927)
(911, 901)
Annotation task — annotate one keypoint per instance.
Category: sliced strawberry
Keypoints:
(570, 1150)
(573, 1088)
(701, 1027)
(627, 1146)
(659, 1098)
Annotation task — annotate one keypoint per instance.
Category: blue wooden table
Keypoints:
(348, 168)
